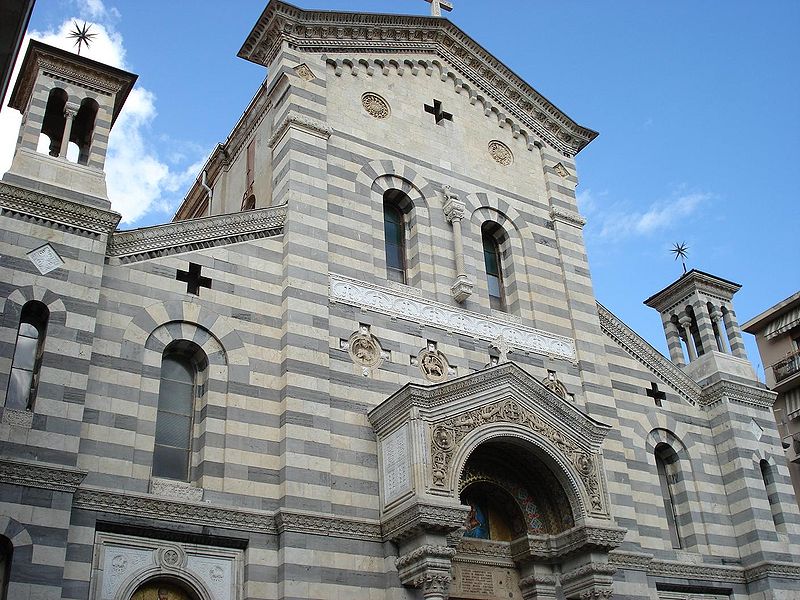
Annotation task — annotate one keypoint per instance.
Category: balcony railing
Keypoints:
(787, 367)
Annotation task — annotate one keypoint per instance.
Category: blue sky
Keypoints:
(697, 103)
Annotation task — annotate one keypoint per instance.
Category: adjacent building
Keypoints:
(777, 332)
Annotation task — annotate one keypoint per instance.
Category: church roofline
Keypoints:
(90, 73)
(686, 283)
(332, 31)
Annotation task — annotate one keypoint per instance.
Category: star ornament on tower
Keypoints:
(681, 251)
(81, 35)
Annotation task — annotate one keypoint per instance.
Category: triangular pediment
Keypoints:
(507, 389)
(474, 69)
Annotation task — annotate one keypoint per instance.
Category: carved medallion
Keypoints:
(433, 364)
(500, 153)
(552, 383)
(364, 348)
(375, 105)
(304, 72)
(171, 557)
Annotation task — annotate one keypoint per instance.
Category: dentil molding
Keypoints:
(441, 316)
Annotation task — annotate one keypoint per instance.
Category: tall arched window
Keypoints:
(24, 377)
(768, 477)
(492, 259)
(395, 239)
(176, 394)
(668, 474)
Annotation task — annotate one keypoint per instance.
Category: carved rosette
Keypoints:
(375, 105)
(500, 153)
(447, 435)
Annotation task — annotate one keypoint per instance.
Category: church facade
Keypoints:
(365, 360)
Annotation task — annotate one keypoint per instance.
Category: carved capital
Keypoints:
(593, 581)
(538, 587)
(462, 288)
(424, 518)
(302, 122)
(454, 209)
(427, 568)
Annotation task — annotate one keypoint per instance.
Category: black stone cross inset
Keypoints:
(194, 281)
(656, 394)
(437, 112)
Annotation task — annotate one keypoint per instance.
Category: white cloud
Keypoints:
(138, 179)
(618, 220)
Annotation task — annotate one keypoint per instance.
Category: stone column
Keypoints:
(69, 111)
(734, 335)
(454, 211)
(686, 323)
(722, 343)
(704, 326)
(673, 341)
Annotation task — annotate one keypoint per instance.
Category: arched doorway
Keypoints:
(161, 590)
(513, 496)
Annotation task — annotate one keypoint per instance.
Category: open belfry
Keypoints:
(365, 361)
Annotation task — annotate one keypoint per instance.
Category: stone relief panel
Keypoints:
(304, 72)
(396, 465)
(126, 562)
(442, 316)
(46, 259)
(375, 105)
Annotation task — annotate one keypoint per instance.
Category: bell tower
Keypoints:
(702, 332)
(69, 104)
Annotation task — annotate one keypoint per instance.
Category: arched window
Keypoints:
(55, 119)
(24, 377)
(181, 365)
(668, 476)
(6, 554)
(83, 128)
(768, 477)
(395, 238)
(492, 259)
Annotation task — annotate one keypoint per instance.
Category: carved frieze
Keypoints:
(446, 436)
(442, 316)
(37, 475)
(181, 236)
(18, 418)
(57, 210)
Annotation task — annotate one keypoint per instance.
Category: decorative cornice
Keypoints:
(73, 68)
(567, 216)
(201, 513)
(50, 477)
(181, 236)
(358, 33)
(57, 210)
(307, 124)
(651, 358)
(421, 517)
(451, 319)
(577, 539)
(687, 284)
(632, 561)
(739, 393)
(603, 569)
(782, 570)
(702, 572)
(316, 524)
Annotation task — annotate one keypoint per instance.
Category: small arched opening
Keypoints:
(83, 129)
(6, 554)
(55, 120)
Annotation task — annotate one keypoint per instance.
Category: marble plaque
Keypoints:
(396, 465)
(479, 582)
(45, 258)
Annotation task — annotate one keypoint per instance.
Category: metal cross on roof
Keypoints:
(438, 5)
